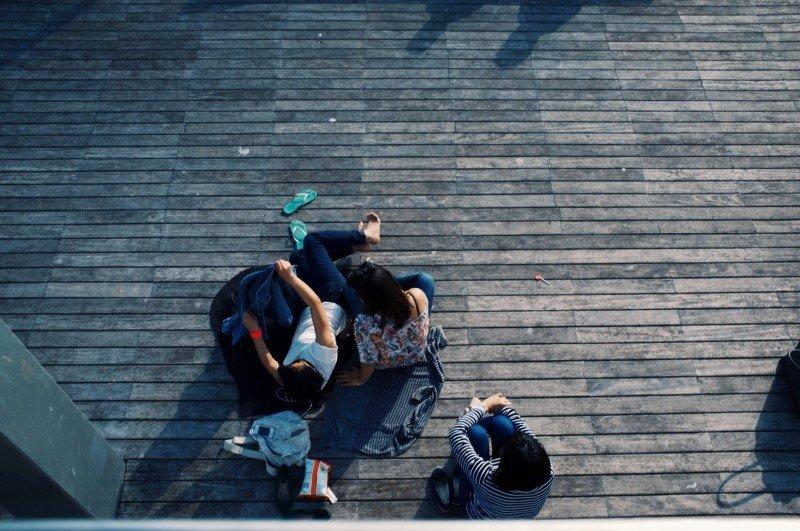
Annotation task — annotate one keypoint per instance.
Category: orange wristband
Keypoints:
(256, 334)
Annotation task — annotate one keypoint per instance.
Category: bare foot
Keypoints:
(372, 230)
(364, 246)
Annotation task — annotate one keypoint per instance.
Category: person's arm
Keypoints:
(420, 300)
(520, 426)
(264, 355)
(322, 326)
(473, 465)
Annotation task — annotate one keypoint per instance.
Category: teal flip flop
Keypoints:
(301, 198)
(298, 231)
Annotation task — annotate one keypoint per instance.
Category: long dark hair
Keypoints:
(381, 293)
(300, 381)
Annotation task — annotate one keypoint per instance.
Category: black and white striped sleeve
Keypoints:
(519, 424)
(473, 465)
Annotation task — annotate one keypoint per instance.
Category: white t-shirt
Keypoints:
(304, 343)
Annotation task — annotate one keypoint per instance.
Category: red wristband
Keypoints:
(256, 334)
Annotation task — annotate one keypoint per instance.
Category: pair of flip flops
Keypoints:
(298, 229)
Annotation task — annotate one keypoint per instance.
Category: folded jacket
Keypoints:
(262, 293)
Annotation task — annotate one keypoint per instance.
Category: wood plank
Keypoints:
(640, 156)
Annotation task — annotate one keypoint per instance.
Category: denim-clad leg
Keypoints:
(498, 428)
(315, 262)
(479, 437)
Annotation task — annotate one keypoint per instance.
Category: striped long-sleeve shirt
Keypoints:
(488, 501)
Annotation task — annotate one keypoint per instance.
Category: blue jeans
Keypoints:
(316, 268)
(315, 261)
(498, 429)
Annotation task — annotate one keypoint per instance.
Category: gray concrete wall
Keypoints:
(53, 462)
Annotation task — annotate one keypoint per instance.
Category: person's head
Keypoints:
(300, 381)
(381, 293)
(524, 464)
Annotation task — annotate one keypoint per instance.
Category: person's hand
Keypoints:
(538, 278)
(350, 378)
(475, 402)
(250, 321)
(495, 403)
(284, 269)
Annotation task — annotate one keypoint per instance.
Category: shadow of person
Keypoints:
(534, 20)
(441, 14)
(772, 472)
(184, 472)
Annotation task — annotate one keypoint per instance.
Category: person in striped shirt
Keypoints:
(504, 471)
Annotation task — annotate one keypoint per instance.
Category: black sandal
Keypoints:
(442, 488)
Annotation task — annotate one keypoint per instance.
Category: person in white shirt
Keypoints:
(313, 353)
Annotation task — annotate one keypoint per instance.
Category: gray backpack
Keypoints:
(282, 440)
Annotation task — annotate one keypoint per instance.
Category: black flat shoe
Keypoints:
(457, 487)
(442, 489)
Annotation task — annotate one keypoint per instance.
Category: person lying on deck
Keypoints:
(503, 471)
(391, 329)
(313, 353)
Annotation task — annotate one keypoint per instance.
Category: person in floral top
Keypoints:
(392, 329)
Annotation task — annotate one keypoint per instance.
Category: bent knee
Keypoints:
(476, 431)
(425, 278)
(501, 424)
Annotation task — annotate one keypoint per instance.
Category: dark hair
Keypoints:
(300, 381)
(381, 293)
(524, 464)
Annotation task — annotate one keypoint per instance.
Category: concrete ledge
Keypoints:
(53, 461)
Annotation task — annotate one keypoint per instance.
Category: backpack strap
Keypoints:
(235, 446)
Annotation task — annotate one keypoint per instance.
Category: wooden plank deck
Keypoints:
(642, 155)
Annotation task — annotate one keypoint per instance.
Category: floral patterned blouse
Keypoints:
(391, 347)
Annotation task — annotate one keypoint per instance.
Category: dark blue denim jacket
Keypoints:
(260, 292)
